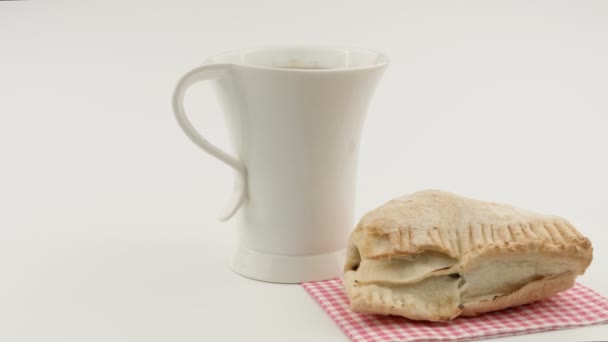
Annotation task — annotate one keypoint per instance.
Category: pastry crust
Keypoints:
(434, 256)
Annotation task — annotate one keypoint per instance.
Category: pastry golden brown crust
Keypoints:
(434, 256)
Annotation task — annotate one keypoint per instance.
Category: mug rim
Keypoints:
(381, 61)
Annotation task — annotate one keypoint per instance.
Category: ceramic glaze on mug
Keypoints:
(294, 117)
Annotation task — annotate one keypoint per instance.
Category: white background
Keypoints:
(107, 211)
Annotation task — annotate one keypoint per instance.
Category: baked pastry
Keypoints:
(434, 256)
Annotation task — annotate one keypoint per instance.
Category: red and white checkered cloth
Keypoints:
(572, 308)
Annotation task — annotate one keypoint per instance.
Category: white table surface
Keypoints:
(107, 219)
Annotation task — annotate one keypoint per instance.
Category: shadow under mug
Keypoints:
(294, 117)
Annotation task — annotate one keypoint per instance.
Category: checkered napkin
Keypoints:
(572, 308)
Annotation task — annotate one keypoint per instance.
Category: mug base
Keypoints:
(287, 269)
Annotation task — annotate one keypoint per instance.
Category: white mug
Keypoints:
(294, 116)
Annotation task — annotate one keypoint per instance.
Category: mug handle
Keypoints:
(204, 73)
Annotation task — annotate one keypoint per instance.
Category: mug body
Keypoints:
(295, 116)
